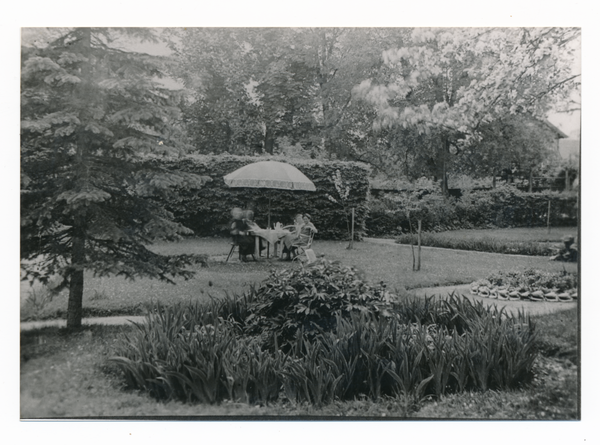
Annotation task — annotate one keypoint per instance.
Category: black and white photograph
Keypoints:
(301, 223)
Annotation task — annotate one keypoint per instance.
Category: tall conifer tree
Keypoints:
(92, 114)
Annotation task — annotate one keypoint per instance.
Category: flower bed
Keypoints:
(530, 284)
(324, 334)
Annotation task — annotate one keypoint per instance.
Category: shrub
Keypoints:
(503, 206)
(207, 211)
(310, 300)
(507, 206)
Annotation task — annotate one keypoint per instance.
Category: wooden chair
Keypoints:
(301, 247)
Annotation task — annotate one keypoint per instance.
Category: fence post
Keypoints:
(548, 217)
(352, 233)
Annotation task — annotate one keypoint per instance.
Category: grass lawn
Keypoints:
(378, 262)
(66, 375)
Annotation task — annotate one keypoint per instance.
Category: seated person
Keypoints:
(239, 233)
(249, 220)
(303, 229)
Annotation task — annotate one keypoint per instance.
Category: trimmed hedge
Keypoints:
(207, 211)
(478, 209)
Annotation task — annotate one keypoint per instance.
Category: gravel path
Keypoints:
(119, 320)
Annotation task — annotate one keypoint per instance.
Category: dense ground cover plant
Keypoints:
(533, 279)
(76, 382)
(492, 245)
(366, 343)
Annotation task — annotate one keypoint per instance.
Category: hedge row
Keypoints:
(207, 210)
(504, 206)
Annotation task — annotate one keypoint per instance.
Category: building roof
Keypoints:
(554, 129)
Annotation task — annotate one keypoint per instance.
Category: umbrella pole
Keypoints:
(269, 217)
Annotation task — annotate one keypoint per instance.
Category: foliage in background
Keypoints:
(503, 206)
(446, 85)
(490, 244)
(89, 110)
(515, 146)
(208, 213)
(251, 88)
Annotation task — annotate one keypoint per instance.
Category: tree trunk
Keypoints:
(419, 244)
(412, 245)
(531, 181)
(75, 304)
(494, 179)
(445, 152)
(548, 216)
(351, 244)
(269, 141)
(444, 179)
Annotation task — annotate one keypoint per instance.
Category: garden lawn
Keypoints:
(377, 262)
(66, 375)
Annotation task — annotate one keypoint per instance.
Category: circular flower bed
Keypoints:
(530, 285)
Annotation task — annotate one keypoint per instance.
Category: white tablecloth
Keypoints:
(271, 235)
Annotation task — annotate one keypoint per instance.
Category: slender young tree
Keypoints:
(92, 117)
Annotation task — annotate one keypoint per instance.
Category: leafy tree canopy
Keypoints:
(447, 85)
(253, 87)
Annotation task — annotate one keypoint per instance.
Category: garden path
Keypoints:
(532, 308)
(117, 320)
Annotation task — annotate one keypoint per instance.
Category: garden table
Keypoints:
(271, 236)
